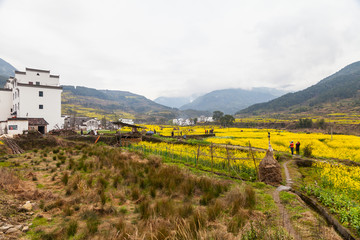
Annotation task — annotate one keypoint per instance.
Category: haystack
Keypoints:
(270, 170)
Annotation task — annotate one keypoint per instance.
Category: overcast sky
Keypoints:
(182, 47)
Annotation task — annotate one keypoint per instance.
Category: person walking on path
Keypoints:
(297, 148)
(292, 147)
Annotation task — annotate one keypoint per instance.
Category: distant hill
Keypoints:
(174, 102)
(92, 102)
(342, 87)
(6, 70)
(230, 101)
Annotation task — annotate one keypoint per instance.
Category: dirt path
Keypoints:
(285, 219)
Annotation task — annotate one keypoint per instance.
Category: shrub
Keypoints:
(308, 150)
(102, 182)
(236, 223)
(92, 225)
(67, 211)
(236, 200)
(72, 228)
(164, 207)
(304, 123)
(145, 209)
(197, 222)
(186, 210)
(250, 198)
(135, 193)
(65, 179)
(214, 210)
(103, 198)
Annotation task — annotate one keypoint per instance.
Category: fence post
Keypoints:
(228, 157)
(212, 156)
(252, 154)
(198, 155)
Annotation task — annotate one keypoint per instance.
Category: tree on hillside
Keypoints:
(304, 123)
(217, 115)
(104, 122)
(227, 120)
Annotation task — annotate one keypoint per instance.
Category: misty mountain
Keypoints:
(174, 102)
(344, 84)
(6, 70)
(230, 101)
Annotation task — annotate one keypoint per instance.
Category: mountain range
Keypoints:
(230, 101)
(6, 70)
(339, 92)
(336, 93)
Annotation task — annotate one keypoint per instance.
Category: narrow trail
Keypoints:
(285, 219)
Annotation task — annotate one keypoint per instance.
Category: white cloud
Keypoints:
(177, 48)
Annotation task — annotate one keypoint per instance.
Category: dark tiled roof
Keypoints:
(37, 122)
(38, 86)
(37, 70)
(126, 124)
(17, 119)
(5, 89)
(19, 72)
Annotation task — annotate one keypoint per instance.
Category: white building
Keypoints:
(204, 119)
(183, 122)
(32, 94)
(125, 120)
(92, 124)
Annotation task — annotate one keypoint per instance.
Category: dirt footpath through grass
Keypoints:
(300, 221)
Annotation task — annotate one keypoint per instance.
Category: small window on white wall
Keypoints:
(41, 93)
(41, 106)
(37, 83)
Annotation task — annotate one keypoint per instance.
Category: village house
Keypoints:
(30, 100)
(204, 119)
(128, 121)
(183, 122)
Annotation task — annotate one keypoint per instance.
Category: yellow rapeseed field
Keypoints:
(338, 146)
(339, 176)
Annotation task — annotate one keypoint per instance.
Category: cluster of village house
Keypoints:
(31, 101)
(191, 121)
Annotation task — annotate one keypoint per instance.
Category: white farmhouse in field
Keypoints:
(92, 124)
(33, 96)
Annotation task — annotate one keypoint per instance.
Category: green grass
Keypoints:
(5, 164)
(286, 197)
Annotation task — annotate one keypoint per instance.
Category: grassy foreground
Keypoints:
(81, 191)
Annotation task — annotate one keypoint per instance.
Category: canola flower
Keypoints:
(338, 188)
(342, 178)
(338, 146)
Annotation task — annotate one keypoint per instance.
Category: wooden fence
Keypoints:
(206, 157)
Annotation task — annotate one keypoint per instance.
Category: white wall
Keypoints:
(5, 104)
(21, 126)
(31, 75)
(51, 101)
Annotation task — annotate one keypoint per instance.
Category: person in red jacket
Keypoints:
(292, 147)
